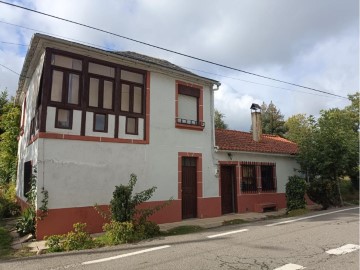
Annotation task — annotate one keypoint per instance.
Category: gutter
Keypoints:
(256, 153)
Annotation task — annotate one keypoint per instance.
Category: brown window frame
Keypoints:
(57, 114)
(100, 108)
(64, 91)
(105, 124)
(136, 126)
(131, 99)
(83, 97)
(188, 89)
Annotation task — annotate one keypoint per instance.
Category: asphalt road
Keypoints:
(277, 244)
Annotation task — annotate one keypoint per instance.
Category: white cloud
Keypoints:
(313, 43)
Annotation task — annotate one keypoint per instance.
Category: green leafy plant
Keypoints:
(323, 191)
(119, 232)
(123, 205)
(26, 222)
(8, 205)
(295, 193)
(77, 239)
(53, 242)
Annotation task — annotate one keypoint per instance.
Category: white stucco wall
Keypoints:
(50, 122)
(82, 173)
(90, 125)
(285, 165)
(31, 152)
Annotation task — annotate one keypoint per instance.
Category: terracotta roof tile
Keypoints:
(234, 140)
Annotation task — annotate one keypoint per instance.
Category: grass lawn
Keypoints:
(5, 242)
(182, 230)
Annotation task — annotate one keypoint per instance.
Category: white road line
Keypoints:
(343, 250)
(227, 233)
(126, 255)
(314, 216)
(290, 266)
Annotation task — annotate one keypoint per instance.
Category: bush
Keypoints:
(74, 240)
(27, 222)
(323, 192)
(123, 205)
(119, 232)
(147, 229)
(295, 193)
(8, 205)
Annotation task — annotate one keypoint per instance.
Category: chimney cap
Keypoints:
(255, 107)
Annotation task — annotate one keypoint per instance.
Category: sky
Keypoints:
(305, 42)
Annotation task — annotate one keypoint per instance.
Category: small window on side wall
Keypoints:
(63, 119)
(131, 125)
(27, 177)
(100, 122)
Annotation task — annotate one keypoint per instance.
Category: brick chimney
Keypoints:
(256, 122)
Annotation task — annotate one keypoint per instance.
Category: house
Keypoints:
(91, 117)
(253, 174)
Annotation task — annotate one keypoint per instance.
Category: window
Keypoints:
(131, 125)
(189, 107)
(27, 177)
(65, 87)
(100, 122)
(101, 92)
(258, 177)
(101, 70)
(131, 98)
(267, 178)
(63, 118)
(66, 62)
(65, 79)
(248, 183)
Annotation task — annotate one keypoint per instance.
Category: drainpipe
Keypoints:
(212, 111)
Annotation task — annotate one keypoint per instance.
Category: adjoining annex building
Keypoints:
(91, 117)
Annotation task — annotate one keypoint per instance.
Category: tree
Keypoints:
(298, 127)
(329, 153)
(10, 129)
(218, 119)
(272, 120)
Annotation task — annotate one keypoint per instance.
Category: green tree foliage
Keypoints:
(219, 121)
(299, 127)
(295, 193)
(9, 131)
(330, 152)
(272, 120)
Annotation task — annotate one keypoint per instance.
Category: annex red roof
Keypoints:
(234, 140)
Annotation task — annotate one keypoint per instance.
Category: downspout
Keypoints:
(212, 111)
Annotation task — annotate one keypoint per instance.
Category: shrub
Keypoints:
(147, 229)
(8, 205)
(54, 243)
(26, 223)
(324, 192)
(119, 232)
(123, 205)
(295, 193)
(74, 240)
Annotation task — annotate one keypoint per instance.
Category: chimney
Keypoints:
(256, 122)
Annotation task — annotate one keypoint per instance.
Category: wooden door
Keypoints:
(228, 190)
(188, 186)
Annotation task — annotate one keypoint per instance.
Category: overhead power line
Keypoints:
(168, 50)
(198, 70)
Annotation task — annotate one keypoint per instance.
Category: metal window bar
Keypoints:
(248, 181)
(190, 122)
(267, 179)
